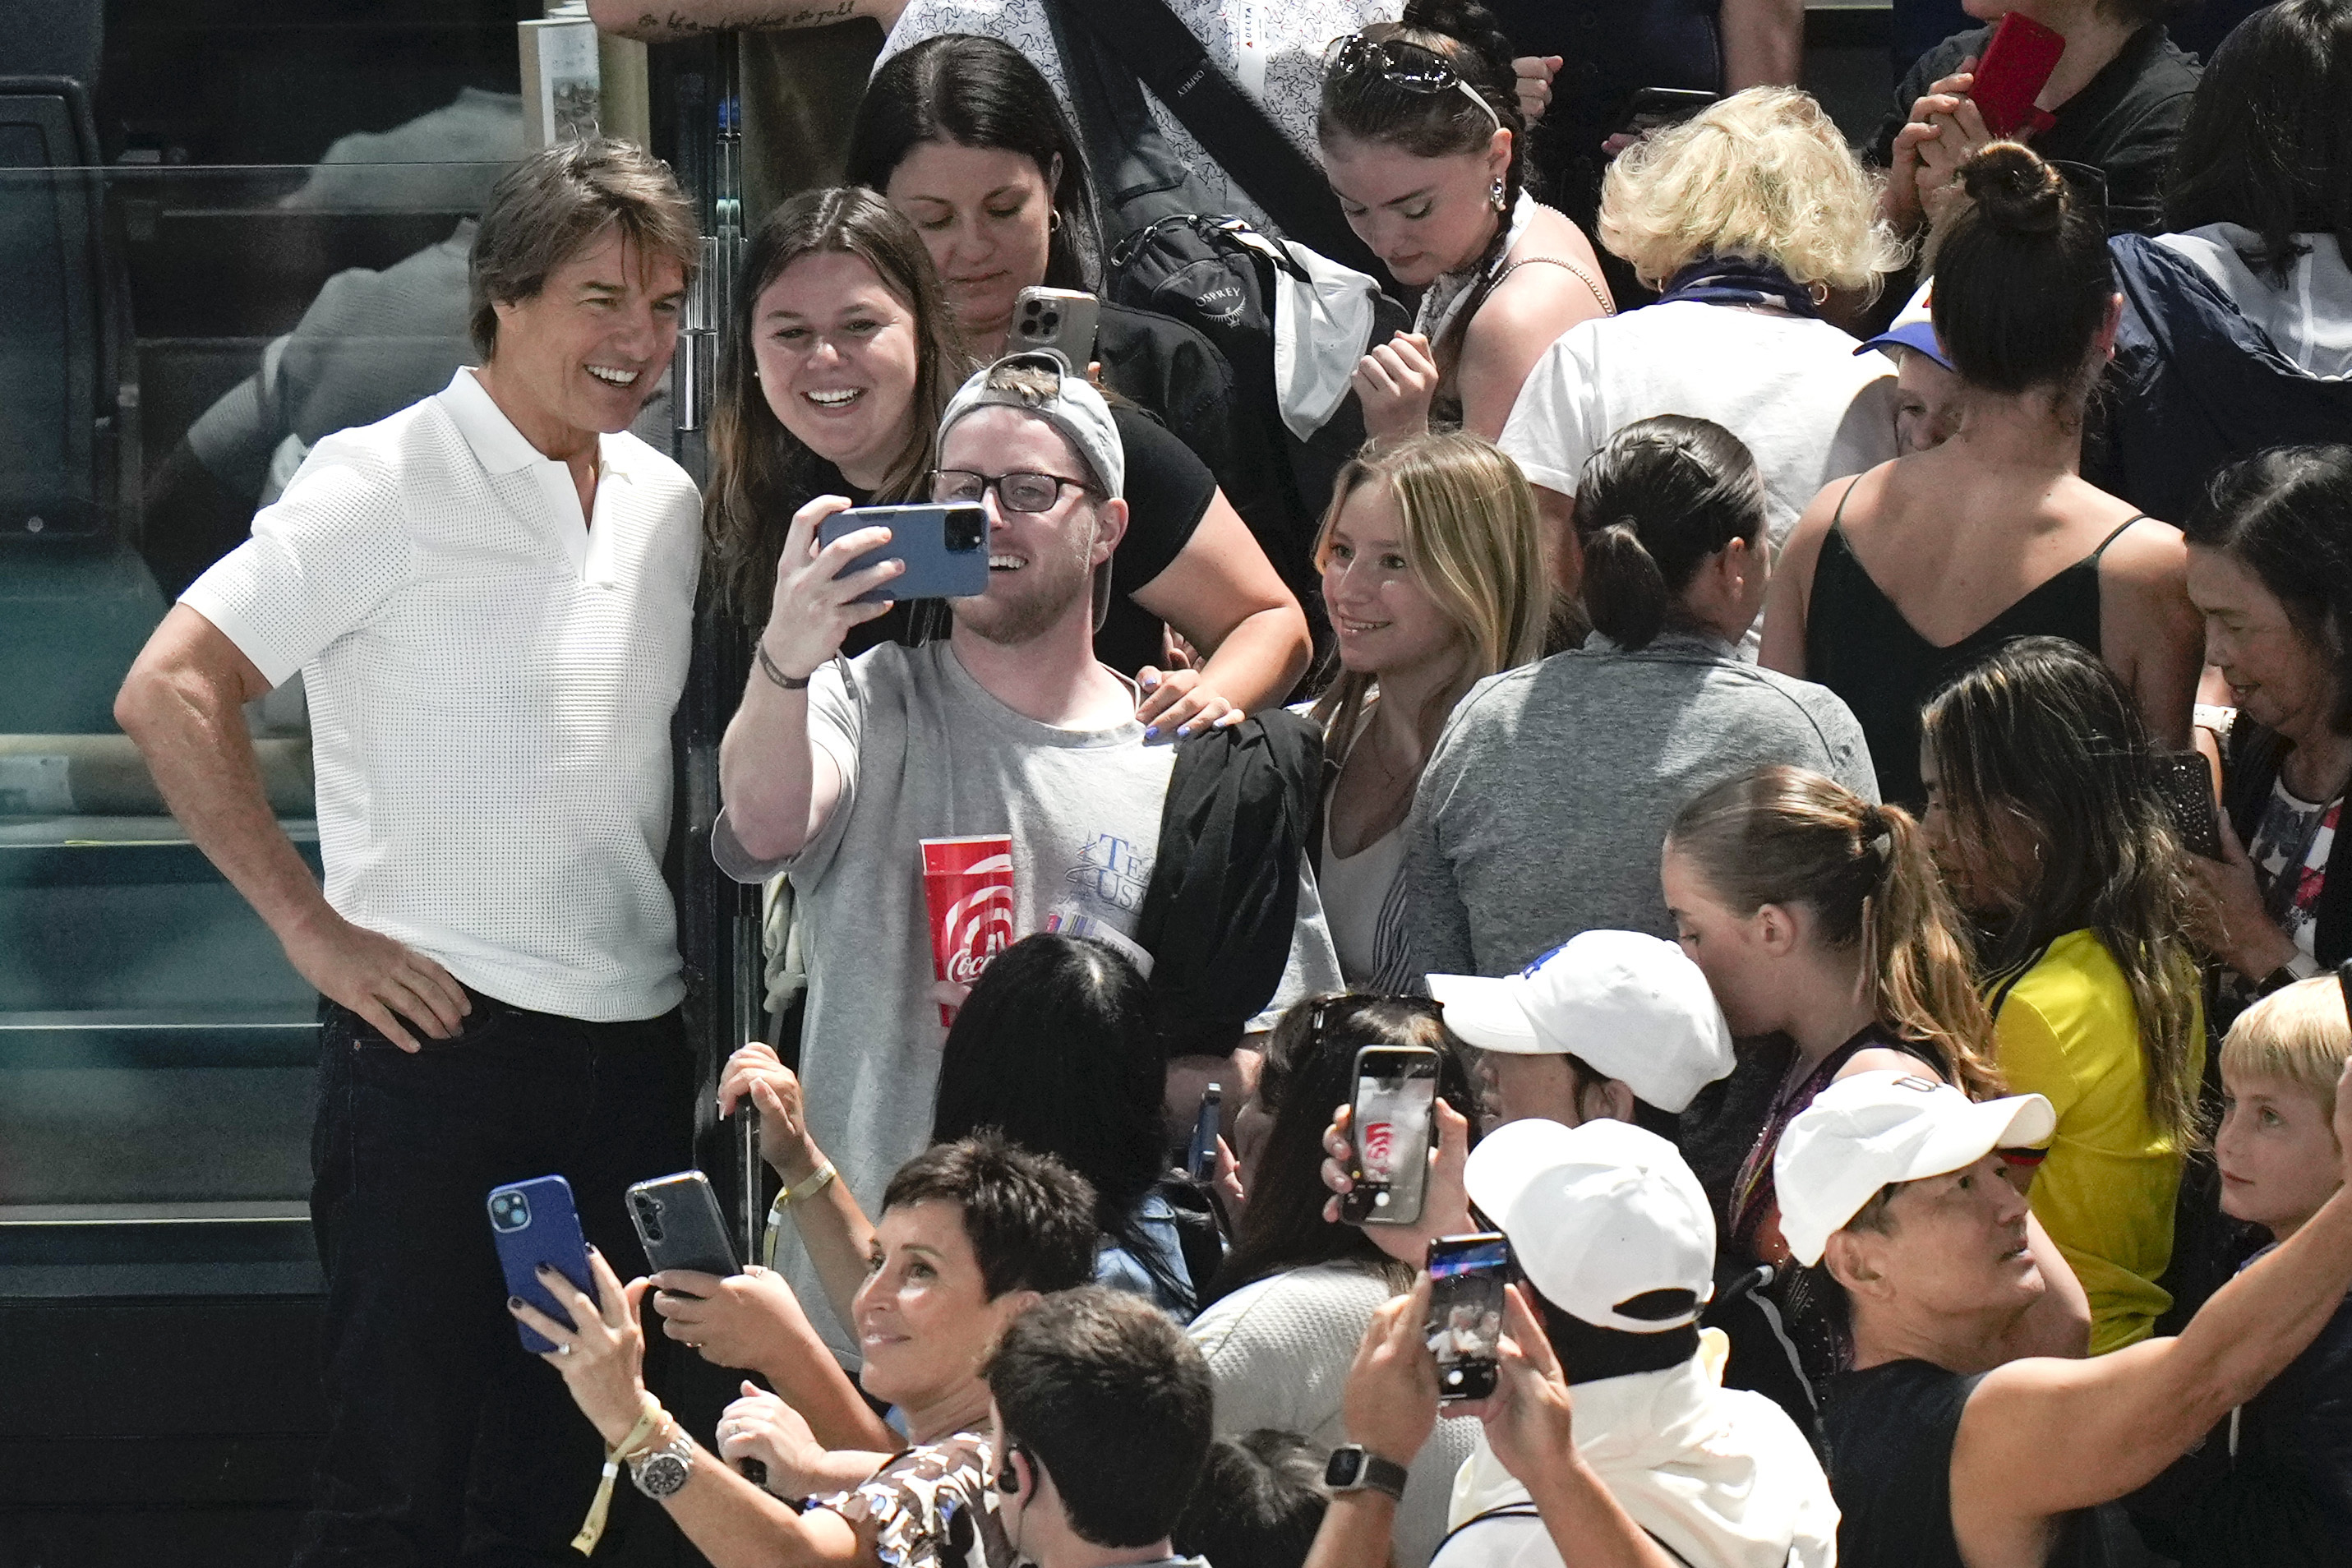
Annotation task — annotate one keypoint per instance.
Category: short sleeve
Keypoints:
(834, 724)
(2032, 1058)
(320, 561)
(1167, 493)
(1549, 432)
(929, 1508)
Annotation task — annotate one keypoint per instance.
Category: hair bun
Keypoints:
(2015, 191)
(1466, 22)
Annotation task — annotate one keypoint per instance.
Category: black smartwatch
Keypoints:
(1355, 1468)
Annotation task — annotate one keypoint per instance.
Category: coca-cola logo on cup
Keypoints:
(975, 929)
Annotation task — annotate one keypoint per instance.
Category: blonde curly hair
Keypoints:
(1765, 175)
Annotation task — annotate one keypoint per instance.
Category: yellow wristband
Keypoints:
(592, 1528)
(807, 1190)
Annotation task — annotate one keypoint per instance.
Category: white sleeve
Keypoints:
(1550, 433)
(322, 560)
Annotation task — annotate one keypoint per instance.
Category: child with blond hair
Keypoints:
(2273, 1484)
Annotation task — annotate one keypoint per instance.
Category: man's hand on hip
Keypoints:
(376, 977)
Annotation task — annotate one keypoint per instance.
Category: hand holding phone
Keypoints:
(1390, 1133)
(941, 549)
(1465, 1330)
(2015, 69)
(2185, 781)
(533, 1223)
(1201, 1156)
(828, 579)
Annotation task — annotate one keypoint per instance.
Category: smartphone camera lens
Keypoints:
(1052, 321)
(511, 1210)
(967, 528)
(649, 1217)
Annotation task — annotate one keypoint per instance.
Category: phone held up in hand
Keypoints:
(681, 1225)
(2016, 67)
(533, 1223)
(944, 545)
(2185, 780)
(1061, 319)
(1200, 1154)
(1464, 1331)
(1390, 1130)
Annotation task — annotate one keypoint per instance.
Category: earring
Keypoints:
(1820, 293)
(1052, 219)
(1494, 193)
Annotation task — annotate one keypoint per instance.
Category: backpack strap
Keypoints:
(1163, 53)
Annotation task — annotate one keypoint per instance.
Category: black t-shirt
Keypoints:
(1167, 493)
(2124, 123)
(1891, 1431)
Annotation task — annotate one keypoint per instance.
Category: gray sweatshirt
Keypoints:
(1543, 808)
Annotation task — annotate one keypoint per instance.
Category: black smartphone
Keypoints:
(1466, 1276)
(944, 545)
(2185, 778)
(533, 1223)
(1200, 1154)
(1390, 1128)
(1653, 107)
(681, 1225)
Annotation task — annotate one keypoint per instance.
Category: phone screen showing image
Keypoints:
(1466, 1276)
(1396, 1093)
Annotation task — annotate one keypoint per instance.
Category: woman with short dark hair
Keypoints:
(1894, 578)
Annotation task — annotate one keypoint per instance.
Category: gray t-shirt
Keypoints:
(925, 752)
(1543, 808)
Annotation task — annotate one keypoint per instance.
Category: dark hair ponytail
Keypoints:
(2022, 278)
(1659, 498)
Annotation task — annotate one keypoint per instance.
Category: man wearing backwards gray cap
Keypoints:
(1645, 1458)
(832, 771)
(1943, 1457)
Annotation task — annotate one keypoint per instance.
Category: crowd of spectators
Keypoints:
(1865, 888)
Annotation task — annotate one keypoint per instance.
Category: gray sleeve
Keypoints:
(835, 714)
(1841, 732)
(1437, 924)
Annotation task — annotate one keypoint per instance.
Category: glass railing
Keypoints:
(175, 340)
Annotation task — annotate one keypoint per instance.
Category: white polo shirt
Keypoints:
(490, 683)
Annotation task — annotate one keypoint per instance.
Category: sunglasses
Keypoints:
(1409, 67)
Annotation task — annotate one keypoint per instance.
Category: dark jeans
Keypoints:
(446, 1441)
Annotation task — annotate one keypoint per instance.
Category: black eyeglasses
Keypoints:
(1018, 491)
(1408, 66)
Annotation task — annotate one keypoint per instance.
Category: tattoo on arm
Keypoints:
(680, 25)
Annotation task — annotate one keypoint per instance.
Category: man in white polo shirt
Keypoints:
(489, 596)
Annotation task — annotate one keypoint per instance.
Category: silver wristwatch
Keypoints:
(659, 1472)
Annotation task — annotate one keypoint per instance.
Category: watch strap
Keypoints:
(657, 1479)
(1372, 1473)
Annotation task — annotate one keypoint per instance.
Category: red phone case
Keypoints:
(2016, 65)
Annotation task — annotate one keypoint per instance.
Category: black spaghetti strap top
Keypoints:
(1891, 1431)
(1858, 644)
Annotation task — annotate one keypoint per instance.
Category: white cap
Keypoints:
(1597, 1214)
(1635, 1007)
(1864, 1132)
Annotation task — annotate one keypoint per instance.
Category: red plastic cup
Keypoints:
(968, 888)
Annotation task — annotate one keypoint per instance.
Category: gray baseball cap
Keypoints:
(1076, 409)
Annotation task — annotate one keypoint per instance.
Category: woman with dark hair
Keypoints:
(961, 135)
(1425, 146)
(1288, 1307)
(1053, 1049)
(843, 358)
(2237, 329)
(1540, 810)
(2270, 566)
(2111, 111)
(2044, 816)
(1894, 579)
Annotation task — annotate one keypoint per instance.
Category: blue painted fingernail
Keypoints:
(1152, 734)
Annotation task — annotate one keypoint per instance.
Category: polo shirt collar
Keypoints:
(502, 448)
(497, 445)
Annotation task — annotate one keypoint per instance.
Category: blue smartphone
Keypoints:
(944, 545)
(533, 1223)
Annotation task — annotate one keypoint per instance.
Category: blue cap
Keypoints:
(1913, 327)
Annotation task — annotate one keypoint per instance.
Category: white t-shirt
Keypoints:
(925, 752)
(1279, 1350)
(1274, 51)
(1810, 408)
(490, 683)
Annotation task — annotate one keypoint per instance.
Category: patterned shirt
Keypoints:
(2290, 883)
(931, 1507)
